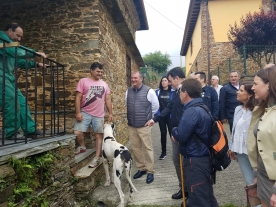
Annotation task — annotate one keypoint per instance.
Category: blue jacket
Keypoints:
(210, 99)
(194, 120)
(228, 101)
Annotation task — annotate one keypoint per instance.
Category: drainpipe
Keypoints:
(208, 42)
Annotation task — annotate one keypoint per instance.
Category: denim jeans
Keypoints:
(246, 168)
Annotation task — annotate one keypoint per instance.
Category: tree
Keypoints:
(158, 61)
(184, 70)
(258, 31)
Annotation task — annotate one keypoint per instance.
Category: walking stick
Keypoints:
(182, 180)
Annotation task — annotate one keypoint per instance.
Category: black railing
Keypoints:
(248, 59)
(42, 113)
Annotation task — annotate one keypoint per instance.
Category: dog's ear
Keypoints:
(113, 128)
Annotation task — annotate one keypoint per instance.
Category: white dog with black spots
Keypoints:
(121, 157)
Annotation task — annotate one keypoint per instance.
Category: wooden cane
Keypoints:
(182, 180)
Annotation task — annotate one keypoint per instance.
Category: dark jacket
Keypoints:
(194, 120)
(164, 98)
(228, 101)
(175, 108)
(210, 99)
(139, 109)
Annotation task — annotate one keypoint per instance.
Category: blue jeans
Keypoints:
(246, 168)
(87, 119)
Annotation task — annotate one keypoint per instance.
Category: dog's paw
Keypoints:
(130, 200)
(107, 183)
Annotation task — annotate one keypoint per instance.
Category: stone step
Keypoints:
(86, 171)
(81, 160)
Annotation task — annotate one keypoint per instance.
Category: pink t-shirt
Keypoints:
(93, 96)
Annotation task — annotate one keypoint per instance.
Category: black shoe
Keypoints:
(150, 178)
(162, 156)
(18, 136)
(35, 134)
(139, 174)
(177, 195)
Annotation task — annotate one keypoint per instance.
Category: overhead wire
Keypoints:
(164, 16)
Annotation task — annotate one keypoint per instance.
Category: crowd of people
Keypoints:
(248, 107)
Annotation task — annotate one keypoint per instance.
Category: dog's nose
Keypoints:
(100, 204)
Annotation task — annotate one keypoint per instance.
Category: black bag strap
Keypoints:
(195, 136)
(206, 109)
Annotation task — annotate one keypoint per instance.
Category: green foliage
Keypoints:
(255, 29)
(35, 201)
(229, 205)
(158, 61)
(184, 70)
(32, 173)
(3, 184)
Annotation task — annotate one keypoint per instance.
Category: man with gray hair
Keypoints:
(142, 104)
(215, 84)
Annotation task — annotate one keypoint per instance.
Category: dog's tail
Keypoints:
(128, 164)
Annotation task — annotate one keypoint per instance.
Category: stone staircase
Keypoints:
(90, 183)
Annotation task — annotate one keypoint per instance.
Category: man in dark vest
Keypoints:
(142, 104)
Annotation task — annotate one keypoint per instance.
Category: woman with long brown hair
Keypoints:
(262, 146)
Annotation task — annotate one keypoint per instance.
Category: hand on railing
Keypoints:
(41, 54)
(42, 65)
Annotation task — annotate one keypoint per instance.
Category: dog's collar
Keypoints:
(112, 138)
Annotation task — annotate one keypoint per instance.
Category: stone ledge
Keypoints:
(80, 157)
(24, 150)
(86, 171)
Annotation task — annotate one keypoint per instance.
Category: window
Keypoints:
(128, 71)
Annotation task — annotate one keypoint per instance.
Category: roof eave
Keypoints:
(193, 13)
(140, 8)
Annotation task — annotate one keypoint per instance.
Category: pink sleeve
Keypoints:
(80, 86)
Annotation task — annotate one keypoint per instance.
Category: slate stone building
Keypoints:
(79, 32)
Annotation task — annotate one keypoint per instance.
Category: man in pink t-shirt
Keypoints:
(91, 95)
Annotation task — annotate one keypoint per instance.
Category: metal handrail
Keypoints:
(56, 110)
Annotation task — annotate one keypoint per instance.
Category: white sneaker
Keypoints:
(94, 163)
(79, 150)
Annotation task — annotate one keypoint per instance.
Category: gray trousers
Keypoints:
(176, 160)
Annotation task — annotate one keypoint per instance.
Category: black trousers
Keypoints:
(164, 123)
(198, 182)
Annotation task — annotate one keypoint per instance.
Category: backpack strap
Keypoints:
(206, 109)
(195, 136)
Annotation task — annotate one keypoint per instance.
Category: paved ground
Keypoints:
(229, 186)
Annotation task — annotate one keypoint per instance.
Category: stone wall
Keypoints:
(59, 190)
(48, 176)
(113, 56)
(77, 33)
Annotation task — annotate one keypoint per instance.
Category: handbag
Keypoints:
(251, 195)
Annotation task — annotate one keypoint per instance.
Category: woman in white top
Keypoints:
(242, 118)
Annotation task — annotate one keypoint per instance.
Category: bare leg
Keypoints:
(79, 138)
(99, 141)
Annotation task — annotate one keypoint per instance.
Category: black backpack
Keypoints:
(218, 145)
